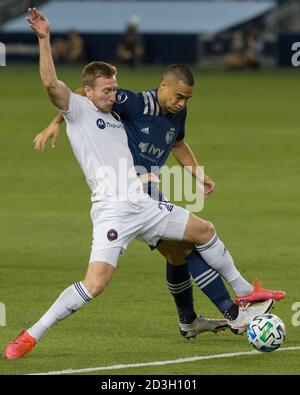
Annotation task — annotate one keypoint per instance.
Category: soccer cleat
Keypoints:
(247, 313)
(201, 324)
(259, 294)
(19, 347)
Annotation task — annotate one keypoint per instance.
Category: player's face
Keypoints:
(173, 96)
(103, 93)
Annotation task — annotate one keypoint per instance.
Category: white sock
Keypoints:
(69, 301)
(217, 256)
(241, 286)
(37, 330)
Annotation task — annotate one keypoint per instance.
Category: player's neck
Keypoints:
(161, 103)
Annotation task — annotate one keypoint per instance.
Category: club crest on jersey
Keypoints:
(112, 235)
(170, 135)
(121, 97)
(100, 123)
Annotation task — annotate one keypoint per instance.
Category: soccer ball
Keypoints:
(266, 332)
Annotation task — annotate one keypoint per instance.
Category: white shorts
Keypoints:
(117, 223)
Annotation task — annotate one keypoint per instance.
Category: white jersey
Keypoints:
(100, 145)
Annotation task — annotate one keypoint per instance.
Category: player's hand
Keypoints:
(209, 186)
(38, 22)
(149, 177)
(52, 131)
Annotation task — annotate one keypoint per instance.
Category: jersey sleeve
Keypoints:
(127, 104)
(181, 133)
(75, 109)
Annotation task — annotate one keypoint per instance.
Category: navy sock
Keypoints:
(210, 282)
(180, 285)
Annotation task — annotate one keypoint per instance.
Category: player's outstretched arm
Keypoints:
(184, 155)
(52, 131)
(58, 92)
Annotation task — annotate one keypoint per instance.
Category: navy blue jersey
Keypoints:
(151, 134)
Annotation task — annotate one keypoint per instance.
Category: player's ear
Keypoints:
(163, 84)
(88, 91)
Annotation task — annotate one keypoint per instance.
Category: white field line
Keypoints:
(159, 363)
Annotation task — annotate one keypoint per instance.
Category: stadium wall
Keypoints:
(160, 48)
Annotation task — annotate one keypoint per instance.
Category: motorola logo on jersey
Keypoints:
(112, 235)
(170, 135)
(100, 123)
(121, 97)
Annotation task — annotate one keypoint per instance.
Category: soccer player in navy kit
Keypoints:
(155, 125)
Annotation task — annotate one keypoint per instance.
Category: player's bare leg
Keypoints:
(97, 278)
(175, 251)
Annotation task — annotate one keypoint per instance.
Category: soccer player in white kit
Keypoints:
(121, 211)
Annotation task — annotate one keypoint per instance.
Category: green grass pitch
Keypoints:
(244, 127)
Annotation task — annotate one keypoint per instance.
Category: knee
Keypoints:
(95, 286)
(175, 253)
(97, 278)
(176, 259)
(211, 231)
(208, 231)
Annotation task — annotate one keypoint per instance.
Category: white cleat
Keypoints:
(201, 324)
(247, 313)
